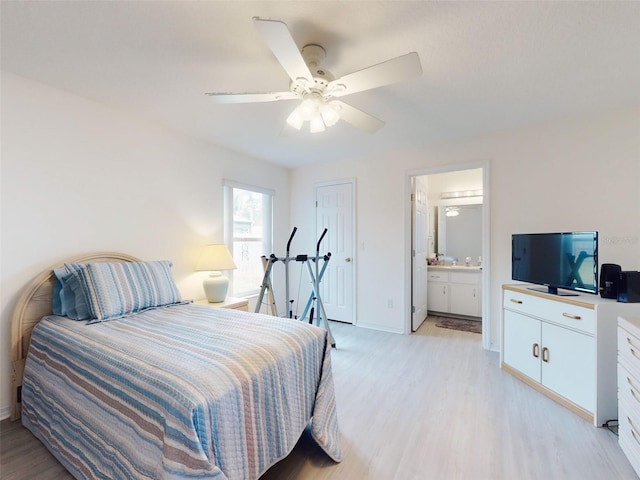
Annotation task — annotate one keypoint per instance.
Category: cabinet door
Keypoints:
(438, 297)
(464, 299)
(568, 364)
(521, 343)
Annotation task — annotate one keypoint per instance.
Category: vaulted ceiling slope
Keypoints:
(487, 66)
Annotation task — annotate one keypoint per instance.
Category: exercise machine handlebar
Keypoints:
(293, 232)
(324, 232)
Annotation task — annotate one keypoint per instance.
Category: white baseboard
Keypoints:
(381, 328)
(5, 412)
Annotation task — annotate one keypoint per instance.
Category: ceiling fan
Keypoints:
(316, 88)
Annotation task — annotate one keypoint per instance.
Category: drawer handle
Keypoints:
(633, 352)
(633, 430)
(633, 393)
(631, 343)
(519, 302)
(535, 350)
(572, 317)
(545, 355)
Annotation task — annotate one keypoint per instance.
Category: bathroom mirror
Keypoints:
(460, 232)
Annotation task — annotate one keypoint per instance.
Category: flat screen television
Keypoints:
(566, 260)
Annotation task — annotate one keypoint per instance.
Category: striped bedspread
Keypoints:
(186, 391)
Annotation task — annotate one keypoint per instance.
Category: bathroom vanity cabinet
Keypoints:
(455, 290)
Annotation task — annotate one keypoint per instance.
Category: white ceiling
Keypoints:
(487, 66)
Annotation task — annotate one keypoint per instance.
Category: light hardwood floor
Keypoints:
(432, 405)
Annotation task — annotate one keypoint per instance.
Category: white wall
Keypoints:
(458, 181)
(78, 177)
(578, 174)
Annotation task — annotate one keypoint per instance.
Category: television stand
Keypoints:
(565, 347)
(554, 291)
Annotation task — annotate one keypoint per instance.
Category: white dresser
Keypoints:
(629, 389)
(565, 347)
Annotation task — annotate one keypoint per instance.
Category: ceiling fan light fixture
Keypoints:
(295, 119)
(329, 114)
(307, 108)
(316, 124)
(310, 81)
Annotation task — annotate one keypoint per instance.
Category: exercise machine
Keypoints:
(267, 287)
(315, 275)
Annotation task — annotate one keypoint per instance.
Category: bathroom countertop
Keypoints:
(457, 268)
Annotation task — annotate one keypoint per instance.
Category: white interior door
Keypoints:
(419, 252)
(334, 211)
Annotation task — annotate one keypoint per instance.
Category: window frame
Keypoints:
(229, 238)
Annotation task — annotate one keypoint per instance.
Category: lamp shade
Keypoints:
(215, 258)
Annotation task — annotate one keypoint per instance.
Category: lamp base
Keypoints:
(215, 287)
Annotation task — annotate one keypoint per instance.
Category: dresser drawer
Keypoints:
(631, 325)
(548, 309)
(629, 425)
(438, 276)
(629, 351)
(629, 439)
(629, 390)
(471, 278)
(629, 395)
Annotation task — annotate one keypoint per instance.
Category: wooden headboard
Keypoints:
(33, 304)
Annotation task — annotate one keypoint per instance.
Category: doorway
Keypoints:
(455, 188)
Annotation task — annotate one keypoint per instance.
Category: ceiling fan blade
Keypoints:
(395, 70)
(358, 118)
(277, 36)
(250, 97)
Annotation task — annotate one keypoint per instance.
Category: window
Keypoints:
(248, 230)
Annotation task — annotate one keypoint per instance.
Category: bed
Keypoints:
(172, 391)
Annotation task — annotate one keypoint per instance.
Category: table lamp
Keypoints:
(215, 258)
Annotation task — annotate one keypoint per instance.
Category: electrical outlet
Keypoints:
(389, 303)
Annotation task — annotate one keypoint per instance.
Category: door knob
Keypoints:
(348, 259)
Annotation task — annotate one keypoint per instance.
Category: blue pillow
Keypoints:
(80, 310)
(57, 306)
(113, 290)
(69, 299)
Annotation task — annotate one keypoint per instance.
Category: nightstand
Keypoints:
(234, 303)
